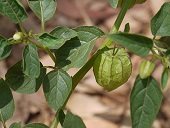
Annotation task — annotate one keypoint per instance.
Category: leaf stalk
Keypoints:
(46, 49)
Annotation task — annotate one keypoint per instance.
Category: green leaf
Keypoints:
(120, 3)
(138, 44)
(13, 9)
(5, 49)
(163, 42)
(43, 9)
(6, 102)
(22, 83)
(145, 101)
(31, 64)
(77, 50)
(57, 86)
(57, 37)
(114, 3)
(16, 125)
(167, 53)
(73, 121)
(61, 117)
(92, 32)
(127, 28)
(50, 41)
(164, 78)
(63, 33)
(160, 23)
(36, 125)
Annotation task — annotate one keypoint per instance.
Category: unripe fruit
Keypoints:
(146, 69)
(18, 36)
(112, 68)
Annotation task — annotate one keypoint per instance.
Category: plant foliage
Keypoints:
(70, 48)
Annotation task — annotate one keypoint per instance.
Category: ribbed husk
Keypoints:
(112, 68)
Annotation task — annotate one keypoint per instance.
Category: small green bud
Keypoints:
(18, 36)
(146, 69)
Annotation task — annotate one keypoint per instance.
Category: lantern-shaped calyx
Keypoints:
(112, 68)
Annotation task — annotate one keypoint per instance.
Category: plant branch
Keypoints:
(22, 28)
(43, 26)
(50, 54)
(55, 122)
(46, 49)
(81, 73)
(3, 122)
(4, 125)
(50, 67)
(116, 26)
(42, 18)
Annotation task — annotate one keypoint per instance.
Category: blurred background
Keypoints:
(97, 108)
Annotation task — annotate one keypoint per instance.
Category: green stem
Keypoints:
(46, 49)
(50, 67)
(116, 26)
(4, 125)
(42, 18)
(81, 73)
(50, 54)
(153, 59)
(3, 122)
(156, 55)
(22, 28)
(76, 79)
(43, 26)
(55, 122)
